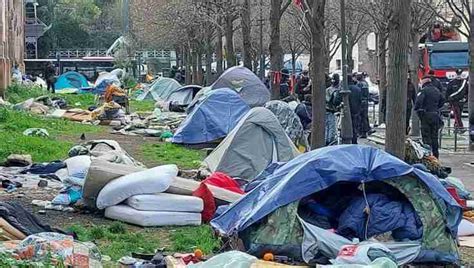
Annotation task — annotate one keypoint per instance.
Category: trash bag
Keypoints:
(36, 132)
(230, 259)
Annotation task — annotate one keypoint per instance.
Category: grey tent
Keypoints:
(160, 89)
(288, 119)
(256, 141)
(250, 88)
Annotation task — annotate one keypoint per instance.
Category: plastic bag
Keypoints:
(230, 259)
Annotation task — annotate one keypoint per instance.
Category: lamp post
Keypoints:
(346, 120)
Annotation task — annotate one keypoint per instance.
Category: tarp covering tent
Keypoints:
(71, 80)
(184, 95)
(255, 142)
(105, 79)
(288, 119)
(271, 213)
(160, 89)
(247, 84)
(212, 118)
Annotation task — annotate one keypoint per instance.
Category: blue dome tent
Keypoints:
(212, 118)
(271, 216)
(71, 80)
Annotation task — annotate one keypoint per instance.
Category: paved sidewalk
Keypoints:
(461, 162)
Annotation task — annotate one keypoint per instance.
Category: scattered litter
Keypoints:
(43, 183)
(36, 132)
(18, 160)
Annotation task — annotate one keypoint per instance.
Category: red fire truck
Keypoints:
(444, 58)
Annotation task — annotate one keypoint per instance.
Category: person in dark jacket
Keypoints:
(333, 101)
(428, 102)
(435, 81)
(285, 83)
(411, 97)
(355, 105)
(50, 76)
(456, 95)
(302, 86)
(304, 111)
(364, 126)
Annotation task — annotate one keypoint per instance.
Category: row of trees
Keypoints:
(79, 24)
(227, 31)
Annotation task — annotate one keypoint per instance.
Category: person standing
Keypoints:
(302, 86)
(411, 97)
(304, 111)
(333, 101)
(456, 95)
(435, 81)
(364, 126)
(50, 76)
(427, 104)
(355, 105)
(285, 83)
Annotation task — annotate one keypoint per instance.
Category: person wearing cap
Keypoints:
(435, 81)
(427, 105)
(456, 95)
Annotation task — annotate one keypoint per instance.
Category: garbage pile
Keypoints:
(25, 237)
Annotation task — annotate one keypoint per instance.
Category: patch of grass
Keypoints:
(186, 239)
(82, 101)
(18, 93)
(168, 153)
(142, 106)
(119, 244)
(12, 140)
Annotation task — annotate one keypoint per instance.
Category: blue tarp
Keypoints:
(317, 170)
(71, 80)
(212, 118)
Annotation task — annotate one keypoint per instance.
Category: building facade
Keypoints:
(12, 39)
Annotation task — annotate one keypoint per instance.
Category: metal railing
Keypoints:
(80, 53)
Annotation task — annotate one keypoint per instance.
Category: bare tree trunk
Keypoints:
(194, 75)
(316, 24)
(327, 52)
(246, 29)
(229, 41)
(219, 56)
(293, 62)
(350, 61)
(471, 83)
(208, 66)
(415, 121)
(188, 63)
(399, 32)
(382, 71)
(276, 51)
(200, 74)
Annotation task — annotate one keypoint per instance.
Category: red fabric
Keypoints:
(454, 194)
(276, 78)
(292, 83)
(209, 204)
(223, 181)
(299, 3)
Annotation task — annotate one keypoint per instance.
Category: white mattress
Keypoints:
(150, 181)
(151, 218)
(166, 202)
